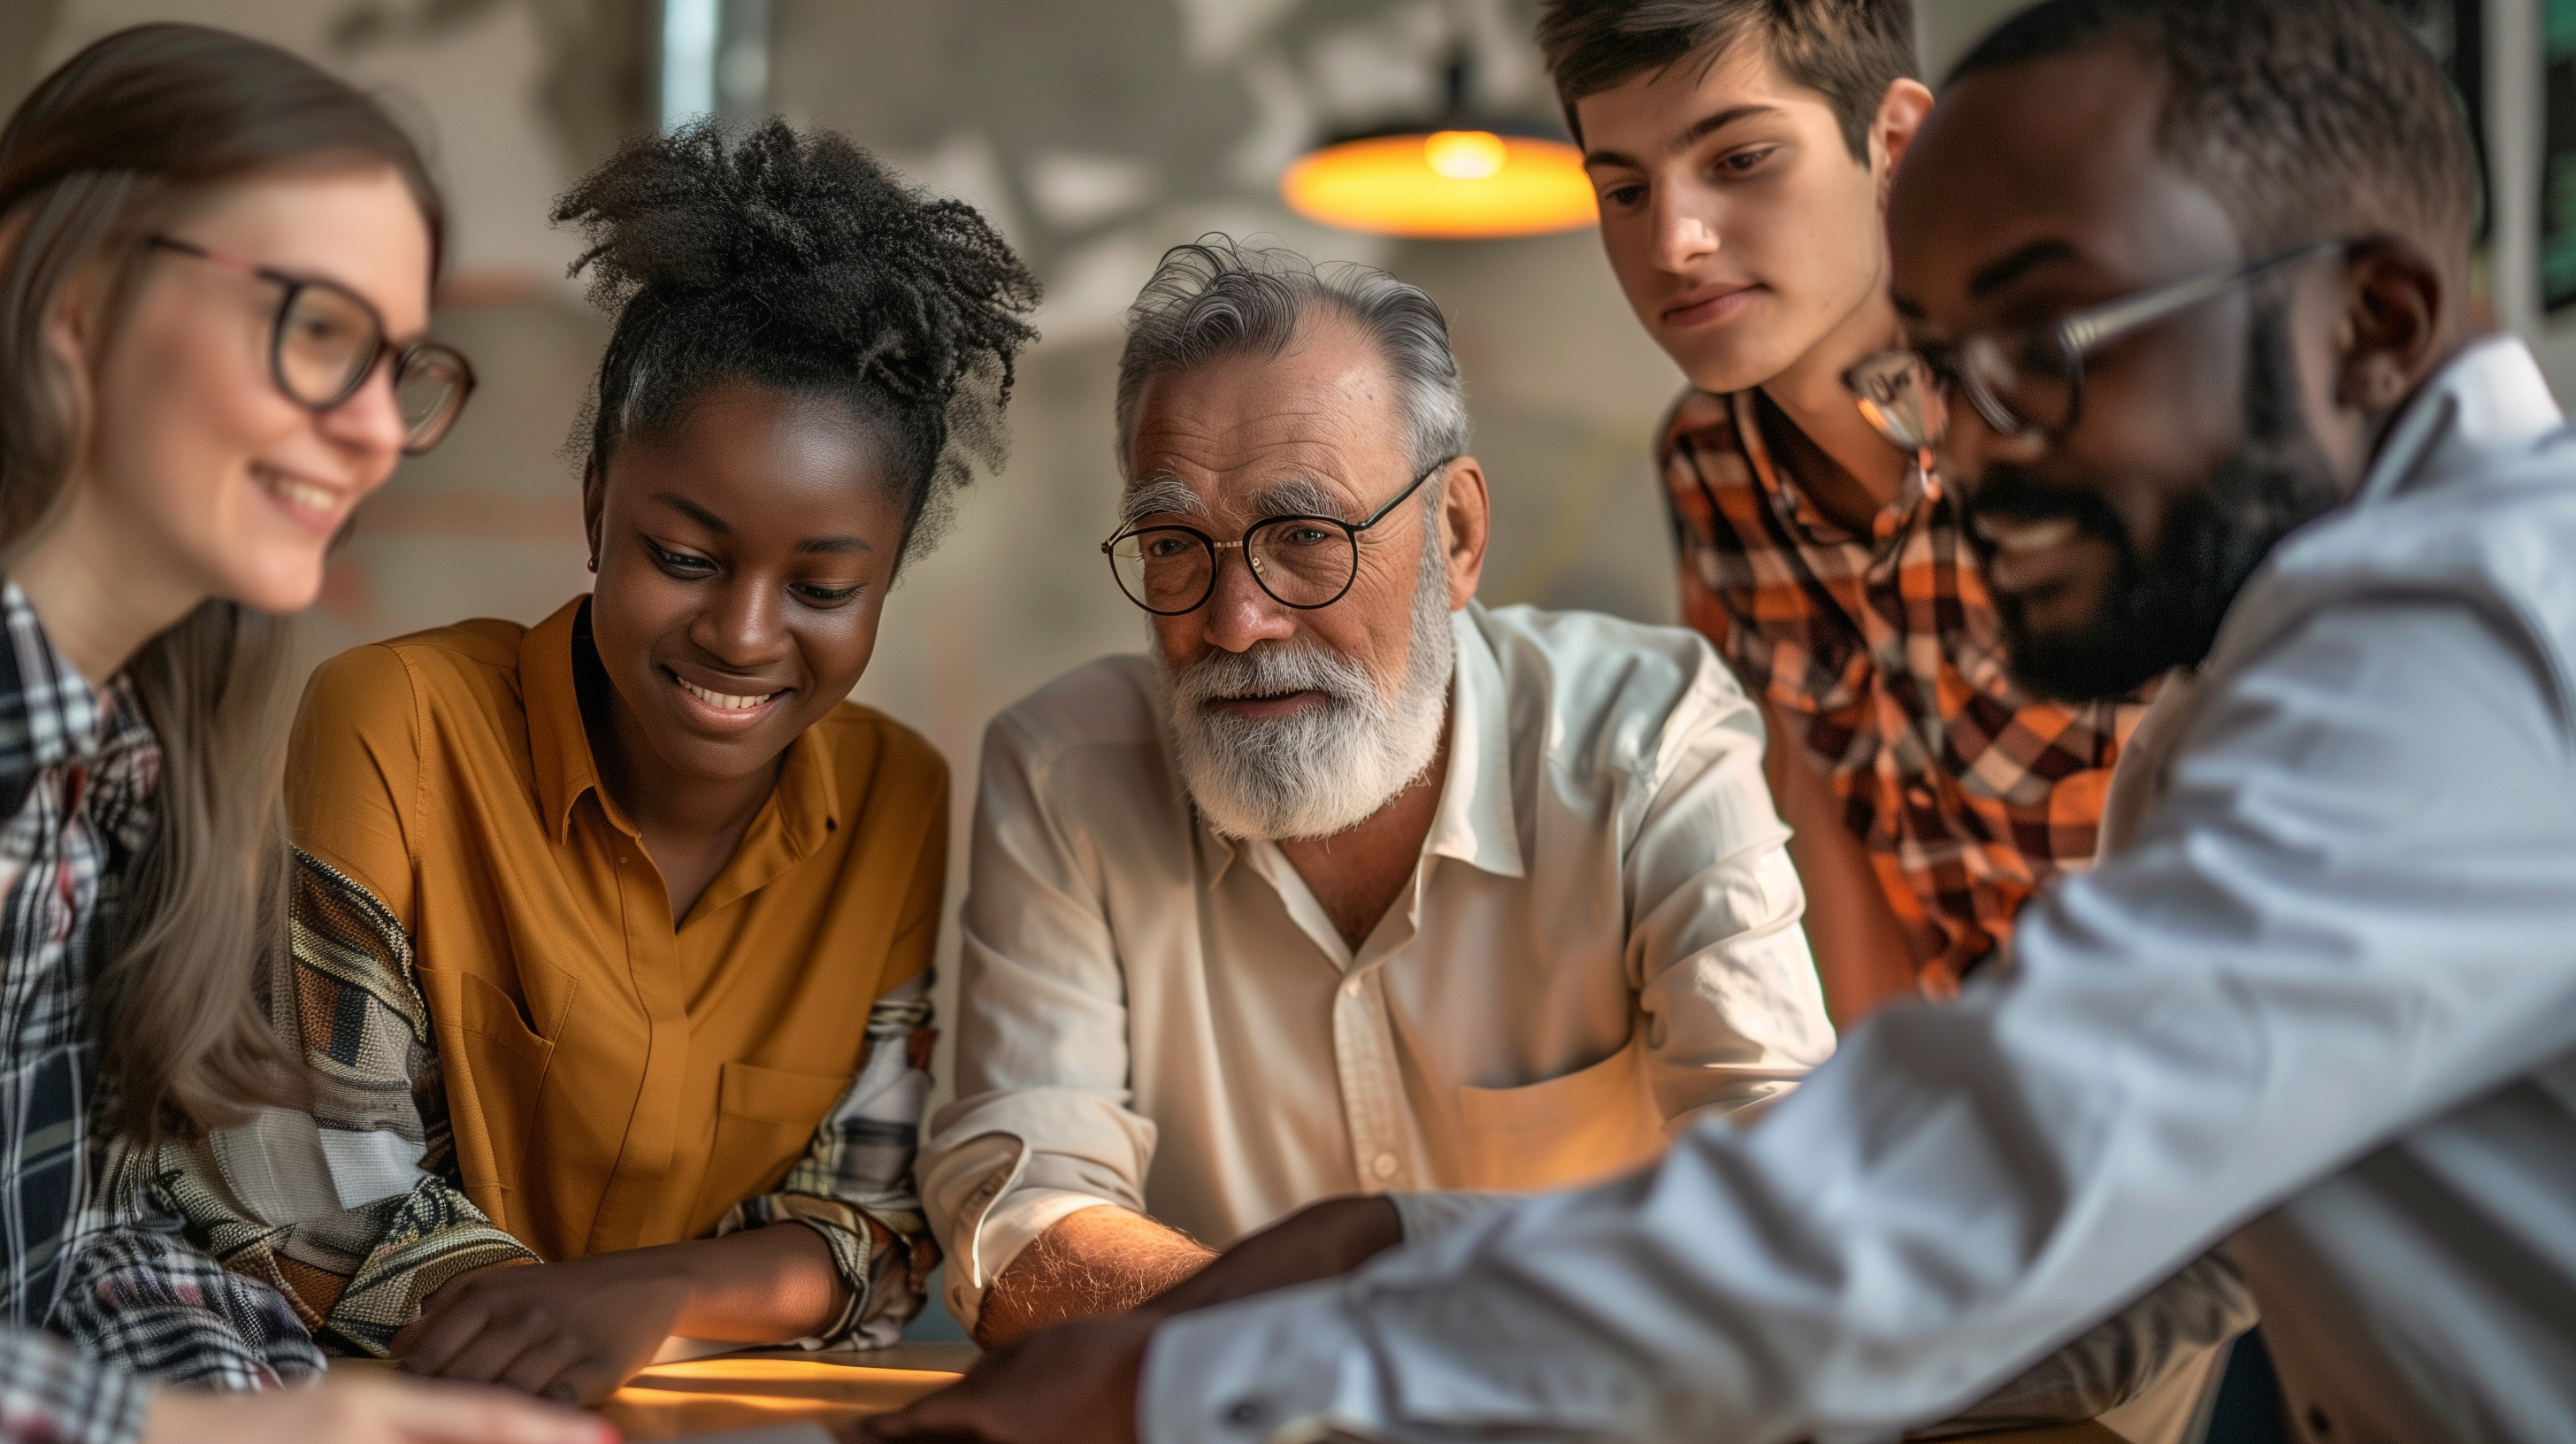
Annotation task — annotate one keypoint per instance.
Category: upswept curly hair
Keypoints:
(795, 261)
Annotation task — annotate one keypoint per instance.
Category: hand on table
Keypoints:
(365, 1409)
(1077, 1382)
(571, 1332)
(1071, 1384)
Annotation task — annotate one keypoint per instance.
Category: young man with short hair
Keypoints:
(1742, 151)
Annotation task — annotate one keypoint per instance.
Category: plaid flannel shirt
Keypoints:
(88, 1247)
(357, 1213)
(1884, 656)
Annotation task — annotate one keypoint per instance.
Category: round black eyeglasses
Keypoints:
(325, 342)
(1304, 562)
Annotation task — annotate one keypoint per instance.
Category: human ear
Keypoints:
(72, 328)
(594, 489)
(1466, 518)
(1901, 112)
(2394, 328)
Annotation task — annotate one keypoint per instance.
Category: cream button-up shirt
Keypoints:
(1600, 940)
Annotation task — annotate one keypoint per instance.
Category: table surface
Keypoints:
(836, 1390)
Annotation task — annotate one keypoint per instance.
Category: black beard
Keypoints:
(2164, 613)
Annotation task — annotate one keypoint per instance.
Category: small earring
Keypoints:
(594, 566)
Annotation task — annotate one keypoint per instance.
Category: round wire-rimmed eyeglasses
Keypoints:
(1300, 561)
(326, 339)
(2026, 381)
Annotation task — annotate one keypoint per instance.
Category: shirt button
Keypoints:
(1351, 989)
(1244, 1413)
(1383, 1165)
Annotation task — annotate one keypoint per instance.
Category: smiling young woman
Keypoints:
(614, 931)
(215, 266)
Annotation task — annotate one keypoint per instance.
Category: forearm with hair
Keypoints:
(1103, 1260)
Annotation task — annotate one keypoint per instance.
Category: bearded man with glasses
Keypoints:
(2186, 287)
(1353, 886)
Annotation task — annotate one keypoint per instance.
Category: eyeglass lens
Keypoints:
(1298, 561)
(1899, 396)
(430, 385)
(328, 342)
(1907, 399)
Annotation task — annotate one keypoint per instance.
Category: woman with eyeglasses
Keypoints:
(215, 265)
(614, 931)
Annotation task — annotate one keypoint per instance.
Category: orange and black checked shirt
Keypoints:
(1884, 656)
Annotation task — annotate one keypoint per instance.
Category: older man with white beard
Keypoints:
(1353, 885)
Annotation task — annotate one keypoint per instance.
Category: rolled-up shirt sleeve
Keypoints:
(1733, 1013)
(1042, 1126)
(2359, 873)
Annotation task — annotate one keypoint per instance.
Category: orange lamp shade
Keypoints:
(1448, 185)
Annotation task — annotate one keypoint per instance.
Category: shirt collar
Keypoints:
(1920, 484)
(49, 713)
(558, 743)
(2487, 400)
(1476, 823)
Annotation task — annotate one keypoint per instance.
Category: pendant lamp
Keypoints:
(1462, 177)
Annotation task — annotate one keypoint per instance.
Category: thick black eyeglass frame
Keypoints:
(1218, 549)
(296, 286)
(2075, 337)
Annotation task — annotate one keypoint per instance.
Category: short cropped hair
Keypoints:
(1850, 51)
(2306, 119)
(1213, 299)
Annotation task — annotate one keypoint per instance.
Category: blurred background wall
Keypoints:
(1095, 133)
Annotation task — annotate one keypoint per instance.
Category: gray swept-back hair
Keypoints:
(1214, 298)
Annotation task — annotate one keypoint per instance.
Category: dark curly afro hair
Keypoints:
(797, 261)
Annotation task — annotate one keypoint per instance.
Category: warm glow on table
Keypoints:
(710, 1396)
(674, 1401)
(1450, 185)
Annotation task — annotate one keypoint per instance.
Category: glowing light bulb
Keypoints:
(1464, 154)
(1453, 185)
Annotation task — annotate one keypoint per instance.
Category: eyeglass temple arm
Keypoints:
(2085, 330)
(1381, 513)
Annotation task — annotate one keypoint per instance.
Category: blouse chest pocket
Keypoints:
(765, 1121)
(492, 1089)
(1588, 1125)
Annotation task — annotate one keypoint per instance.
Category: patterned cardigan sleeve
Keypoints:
(353, 1210)
(854, 1186)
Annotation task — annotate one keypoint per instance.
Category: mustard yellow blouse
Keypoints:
(606, 1080)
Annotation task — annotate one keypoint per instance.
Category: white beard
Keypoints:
(1327, 769)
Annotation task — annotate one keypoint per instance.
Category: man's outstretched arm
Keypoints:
(1966, 1187)
(1103, 1260)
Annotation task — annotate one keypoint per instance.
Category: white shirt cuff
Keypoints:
(1426, 1216)
(1263, 1368)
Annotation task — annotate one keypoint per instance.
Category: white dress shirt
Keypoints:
(2324, 1003)
(1601, 936)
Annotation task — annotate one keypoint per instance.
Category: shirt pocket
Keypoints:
(492, 1089)
(765, 1122)
(1585, 1126)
